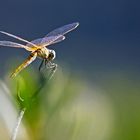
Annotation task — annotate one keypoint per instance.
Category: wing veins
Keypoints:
(19, 38)
(15, 45)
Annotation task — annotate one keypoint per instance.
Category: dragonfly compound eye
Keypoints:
(52, 55)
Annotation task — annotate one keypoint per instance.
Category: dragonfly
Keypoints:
(38, 47)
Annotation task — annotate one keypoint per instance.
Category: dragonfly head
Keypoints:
(52, 55)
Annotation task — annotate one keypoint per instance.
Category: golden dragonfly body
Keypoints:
(38, 48)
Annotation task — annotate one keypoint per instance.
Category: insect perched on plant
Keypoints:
(38, 47)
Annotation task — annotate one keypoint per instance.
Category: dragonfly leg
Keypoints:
(41, 64)
(46, 63)
(51, 65)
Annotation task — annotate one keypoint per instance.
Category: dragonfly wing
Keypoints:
(63, 30)
(49, 40)
(55, 36)
(58, 40)
(19, 38)
(29, 60)
(36, 42)
(44, 41)
(15, 45)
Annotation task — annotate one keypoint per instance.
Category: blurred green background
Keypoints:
(95, 92)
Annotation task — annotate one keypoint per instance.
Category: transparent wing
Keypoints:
(29, 60)
(58, 40)
(15, 45)
(16, 37)
(36, 42)
(43, 42)
(55, 39)
(49, 40)
(55, 36)
(63, 30)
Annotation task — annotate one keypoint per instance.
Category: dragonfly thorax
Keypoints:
(46, 53)
(43, 53)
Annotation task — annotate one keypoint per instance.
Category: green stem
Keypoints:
(15, 132)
